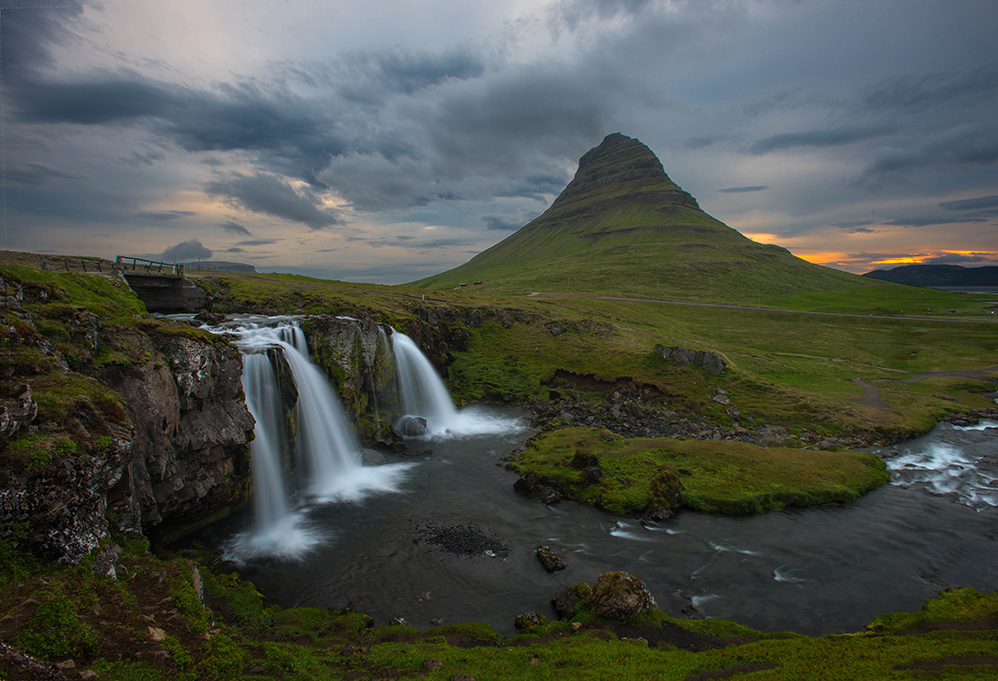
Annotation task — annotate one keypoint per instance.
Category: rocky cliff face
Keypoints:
(108, 418)
(192, 429)
(356, 356)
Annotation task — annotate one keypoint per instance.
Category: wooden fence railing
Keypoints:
(74, 264)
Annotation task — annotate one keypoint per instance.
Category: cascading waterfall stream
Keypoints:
(326, 447)
(958, 461)
(423, 393)
(270, 499)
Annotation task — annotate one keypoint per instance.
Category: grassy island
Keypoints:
(621, 475)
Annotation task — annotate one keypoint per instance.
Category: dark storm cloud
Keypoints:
(94, 101)
(185, 251)
(258, 242)
(138, 159)
(437, 244)
(501, 223)
(858, 227)
(30, 29)
(912, 93)
(969, 144)
(164, 215)
(932, 221)
(537, 187)
(701, 142)
(270, 195)
(408, 72)
(292, 136)
(35, 174)
(235, 228)
(981, 203)
(741, 190)
(371, 77)
(816, 138)
(508, 136)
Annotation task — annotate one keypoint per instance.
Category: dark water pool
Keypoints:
(815, 571)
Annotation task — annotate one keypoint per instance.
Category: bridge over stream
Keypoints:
(162, 286)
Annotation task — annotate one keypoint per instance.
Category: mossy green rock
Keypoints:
(620, 596)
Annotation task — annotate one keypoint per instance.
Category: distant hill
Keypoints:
(938, 275)
(219, 266)
(621, 226)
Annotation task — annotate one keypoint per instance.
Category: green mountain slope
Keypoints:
(622, 226)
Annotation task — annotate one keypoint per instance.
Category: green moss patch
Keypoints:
(951, 609)
(717, 476)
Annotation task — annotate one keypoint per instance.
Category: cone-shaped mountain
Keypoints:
(621, 226)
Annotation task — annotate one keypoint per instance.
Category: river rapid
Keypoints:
(817, 570)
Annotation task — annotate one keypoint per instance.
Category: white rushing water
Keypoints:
(960, 461)
(424, 394)
(328, 453)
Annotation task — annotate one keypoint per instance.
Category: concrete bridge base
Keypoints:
(166, 292)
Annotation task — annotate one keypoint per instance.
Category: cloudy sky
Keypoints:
(383, 141)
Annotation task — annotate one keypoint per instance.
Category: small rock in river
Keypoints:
(552, 559)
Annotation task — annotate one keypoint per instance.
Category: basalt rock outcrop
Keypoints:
(708, 359)
(191, 429)
(356, 356)
(615, 595)
(103, 420)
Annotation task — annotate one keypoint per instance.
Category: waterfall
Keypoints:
(422, 393)
(270, 499)
(421, 390)
(328, 451)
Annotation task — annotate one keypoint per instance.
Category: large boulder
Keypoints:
(709, 360)
(712, 363)
(411, 426)
(686, 357)
(620, 596)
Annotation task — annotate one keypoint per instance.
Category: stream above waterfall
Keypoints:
(814, 570)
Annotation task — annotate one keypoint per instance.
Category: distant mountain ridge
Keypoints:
(622, 226)
(938, 275)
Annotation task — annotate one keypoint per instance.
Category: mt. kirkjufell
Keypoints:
(621, 226)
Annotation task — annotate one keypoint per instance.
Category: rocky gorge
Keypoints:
(112, 419)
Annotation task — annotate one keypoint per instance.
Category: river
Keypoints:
(815, 571)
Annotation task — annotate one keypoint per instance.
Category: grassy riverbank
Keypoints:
(164, 619)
